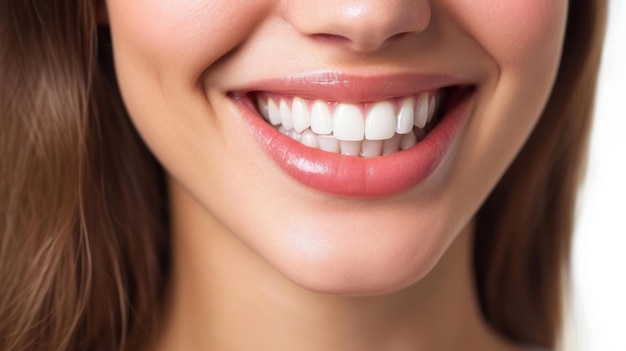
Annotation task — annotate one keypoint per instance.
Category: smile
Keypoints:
(355, 129)
(374, 137)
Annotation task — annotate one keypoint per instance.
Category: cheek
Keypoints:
(514, 32)
(182, 33)
(523, 39)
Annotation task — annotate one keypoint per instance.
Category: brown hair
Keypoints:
(82, 216)
(83, 205)
(524, 229)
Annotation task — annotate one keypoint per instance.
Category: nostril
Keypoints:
(359, 44)
(342, 39)
(398, 36)
(331, 38)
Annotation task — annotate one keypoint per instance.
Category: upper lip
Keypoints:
(335, 86)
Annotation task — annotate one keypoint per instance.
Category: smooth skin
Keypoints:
(261, 262)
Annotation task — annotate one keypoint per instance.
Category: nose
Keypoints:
(362, 25)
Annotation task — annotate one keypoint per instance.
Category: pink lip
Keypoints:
(332, 86)
(355, 176)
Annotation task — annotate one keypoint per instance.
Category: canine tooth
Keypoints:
(328, 143)
(321, 119)
(380, 123)
(300, 114)
(371, 148)
(285, 115)
(421, 110)
(392, 145)
(350, 147)
(348, 124)
(405, 117)
(309, 139)
(283, 130)
(407, 141)
(274, 113)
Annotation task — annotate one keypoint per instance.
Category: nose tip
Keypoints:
(362, 25)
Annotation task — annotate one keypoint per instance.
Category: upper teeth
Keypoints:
(366, 129)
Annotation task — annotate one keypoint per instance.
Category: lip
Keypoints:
(355, 176)
(334, 86)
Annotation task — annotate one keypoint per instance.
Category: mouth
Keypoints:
(366, 129)
(357, 137)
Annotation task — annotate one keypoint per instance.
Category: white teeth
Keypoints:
(421, 110)
(350, 147)
(372, 148)
(328, 143)
(321, 119)
(367, 129)
(300, 114)
(309, 139)
(348, 123)
(392, 145)
(295, 135)
(432, 104)
(407, 141)
(380, 123)
(405, 117)
(263, 108)
(285, 115)
(274, 114)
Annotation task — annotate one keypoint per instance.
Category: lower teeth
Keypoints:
(361, 148)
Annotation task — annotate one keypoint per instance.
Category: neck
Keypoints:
(225, 297)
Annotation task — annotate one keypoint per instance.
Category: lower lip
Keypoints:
(356, 176)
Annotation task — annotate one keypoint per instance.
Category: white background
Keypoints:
(599, 265)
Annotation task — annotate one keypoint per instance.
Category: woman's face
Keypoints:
(429, 100)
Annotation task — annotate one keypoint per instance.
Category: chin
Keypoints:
(357, 263)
